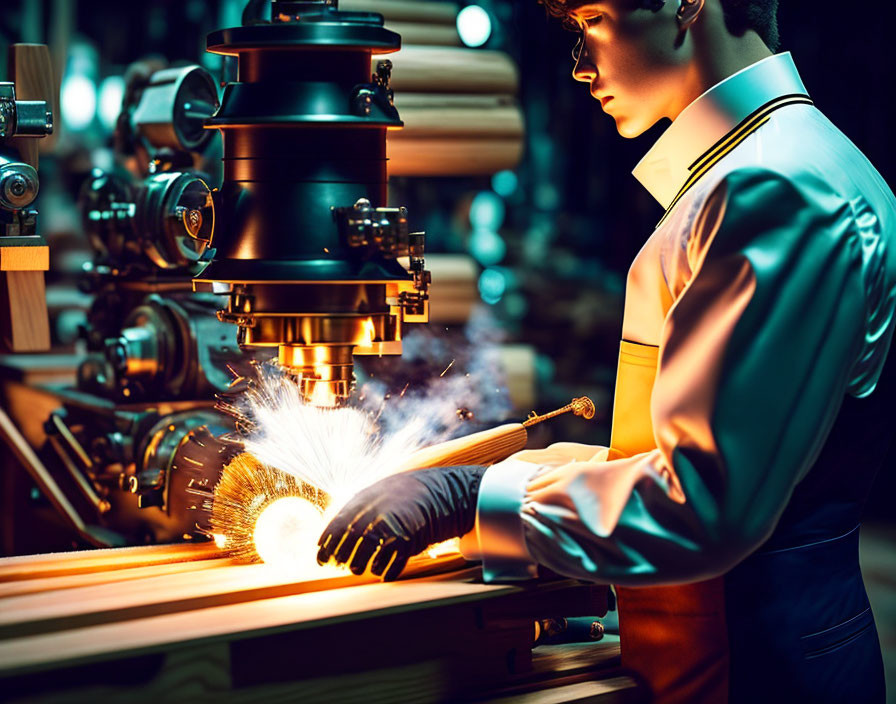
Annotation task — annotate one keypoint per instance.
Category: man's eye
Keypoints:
(591, 21)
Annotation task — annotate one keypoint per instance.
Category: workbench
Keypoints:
(182, 623)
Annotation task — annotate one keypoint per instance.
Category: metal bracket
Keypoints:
(377, 93)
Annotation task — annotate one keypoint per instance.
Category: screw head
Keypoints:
(17, 185)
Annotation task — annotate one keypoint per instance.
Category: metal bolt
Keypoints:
(17, 185)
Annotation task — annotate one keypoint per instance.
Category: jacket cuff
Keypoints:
(499, 525)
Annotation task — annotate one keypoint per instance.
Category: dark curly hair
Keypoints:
(740, 15)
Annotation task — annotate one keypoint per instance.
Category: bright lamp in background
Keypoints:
(474, 25)
(111, 95)
(78, 101)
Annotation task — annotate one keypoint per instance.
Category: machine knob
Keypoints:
(18, 185)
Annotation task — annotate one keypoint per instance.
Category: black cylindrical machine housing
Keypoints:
(304, 245)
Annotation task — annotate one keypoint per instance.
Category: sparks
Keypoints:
(450, 364)
(368, 334)
(317, 457)
(447, 547)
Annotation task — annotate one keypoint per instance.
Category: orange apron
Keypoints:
(674, 638)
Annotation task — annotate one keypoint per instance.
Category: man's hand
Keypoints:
(400, 516)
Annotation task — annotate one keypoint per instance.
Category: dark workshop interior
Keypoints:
(226, 254)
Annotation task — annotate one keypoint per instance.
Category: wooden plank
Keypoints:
(614, 690)
(77, 607)
(82, 561)
(428, 69)
(452, 157)
(418, 33)
(406, 10)
(150, 596)
(259, 617)
(45, 584)
(429, 122)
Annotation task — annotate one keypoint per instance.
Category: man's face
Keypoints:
(628, 56)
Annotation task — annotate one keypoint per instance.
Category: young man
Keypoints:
(752, 396)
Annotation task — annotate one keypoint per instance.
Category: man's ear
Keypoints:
(688, 12)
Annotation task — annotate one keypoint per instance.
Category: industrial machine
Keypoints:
(306, 251)
(295, 255)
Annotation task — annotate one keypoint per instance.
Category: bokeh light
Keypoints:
(111, 94)
(487, 211)
(492, 285)
(505, 183)
(78, 101)
(487, 246)
(474, 25)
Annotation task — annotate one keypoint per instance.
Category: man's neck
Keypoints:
(717, 54)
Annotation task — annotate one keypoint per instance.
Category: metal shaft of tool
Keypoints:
(582, 406)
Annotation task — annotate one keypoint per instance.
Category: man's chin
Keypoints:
(629, 127)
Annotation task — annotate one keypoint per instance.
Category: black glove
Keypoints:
(400, 516)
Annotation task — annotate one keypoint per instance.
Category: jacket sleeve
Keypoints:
(755, 357)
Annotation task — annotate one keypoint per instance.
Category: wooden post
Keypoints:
(31, 69)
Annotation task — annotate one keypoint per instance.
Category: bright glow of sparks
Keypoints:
(447, 547)
(321, 456)
(220, 540)
(286, 533)
(339, 451)
(322, 395)
(368, 334)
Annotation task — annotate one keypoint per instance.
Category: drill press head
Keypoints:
(312, 262)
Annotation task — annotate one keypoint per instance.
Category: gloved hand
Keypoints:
(400, 516)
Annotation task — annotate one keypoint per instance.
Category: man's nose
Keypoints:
(583, 69)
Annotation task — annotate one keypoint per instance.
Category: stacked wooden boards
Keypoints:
(183, 624)
(458, 105)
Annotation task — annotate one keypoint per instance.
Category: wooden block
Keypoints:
(32, 258)
(24, 322)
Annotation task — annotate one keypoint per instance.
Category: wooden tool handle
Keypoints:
(483, 448)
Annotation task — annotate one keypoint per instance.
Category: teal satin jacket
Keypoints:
(767, 293)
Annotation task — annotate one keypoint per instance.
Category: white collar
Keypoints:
(665, 168)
